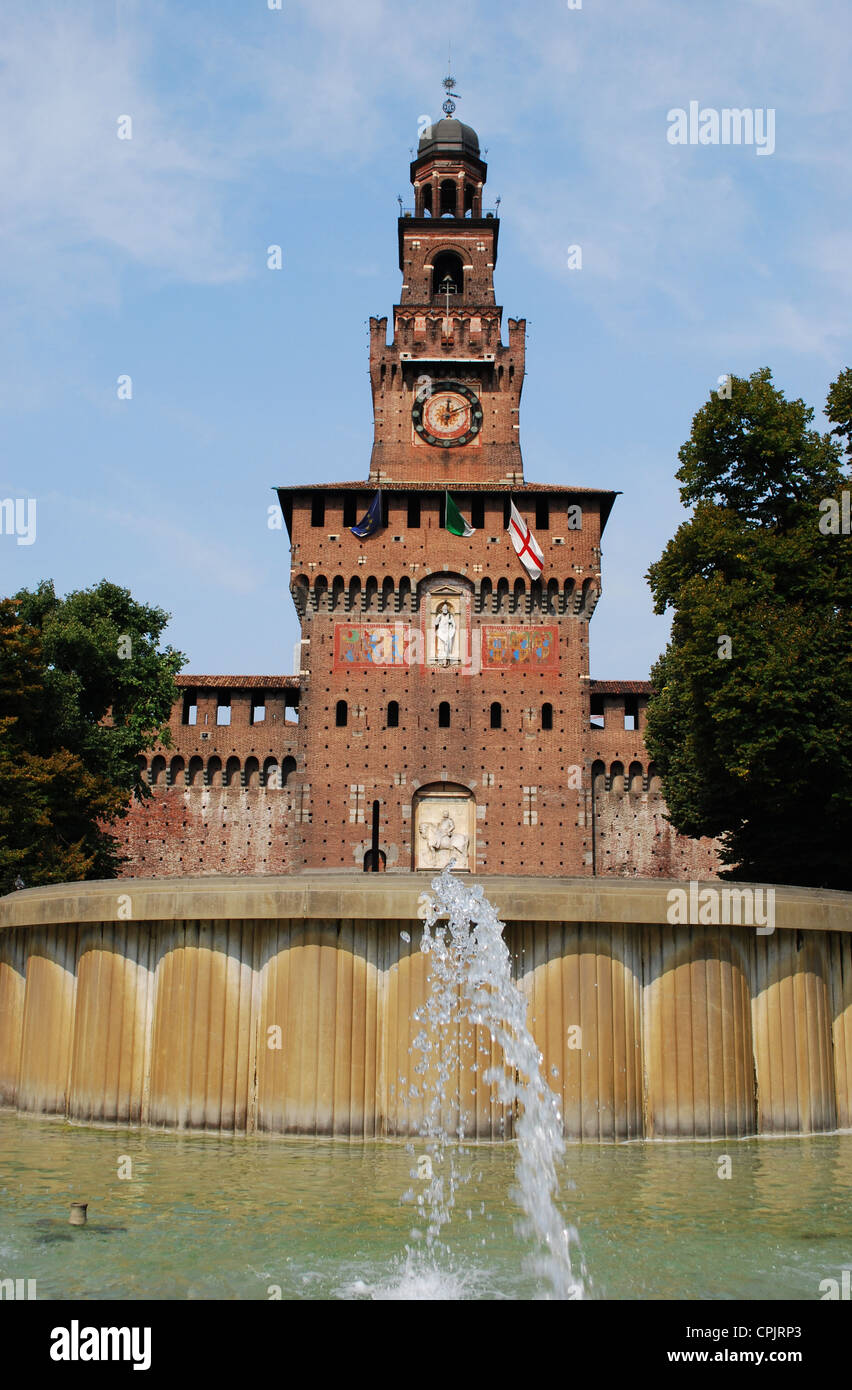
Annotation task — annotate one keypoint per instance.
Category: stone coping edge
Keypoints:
(388, 897)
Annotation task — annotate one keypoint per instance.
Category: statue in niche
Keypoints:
(442, 842)
(445, 634)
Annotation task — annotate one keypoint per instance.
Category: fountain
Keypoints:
(470, 983)
(284, 1005)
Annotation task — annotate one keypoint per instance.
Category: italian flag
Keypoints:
(454, 521)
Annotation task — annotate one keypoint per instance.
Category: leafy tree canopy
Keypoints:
(839, 408)
(748, 727)
(84, 690)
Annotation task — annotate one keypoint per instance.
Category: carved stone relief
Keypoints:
(444, 831)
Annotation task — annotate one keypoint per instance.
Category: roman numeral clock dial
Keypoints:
(448, 415)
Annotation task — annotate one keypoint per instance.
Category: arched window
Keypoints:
(341, 715)
(232, 772)
(447, 266)
(393, 715)
(547, 716)
(444, 715)
(496, 715)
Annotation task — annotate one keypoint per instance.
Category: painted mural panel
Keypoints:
(510, 648)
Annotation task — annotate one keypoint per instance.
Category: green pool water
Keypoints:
(203, 1217)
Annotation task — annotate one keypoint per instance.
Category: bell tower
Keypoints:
(445, 601)
(446, 390)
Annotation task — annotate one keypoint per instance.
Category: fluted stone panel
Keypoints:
(292, 1007)
(14, 946)
(697, 1025)
(583, 982)
(792, 1033)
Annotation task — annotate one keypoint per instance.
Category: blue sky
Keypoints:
(254, 127)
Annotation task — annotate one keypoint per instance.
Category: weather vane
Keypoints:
(449, 104)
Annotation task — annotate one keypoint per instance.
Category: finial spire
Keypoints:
(449, 104)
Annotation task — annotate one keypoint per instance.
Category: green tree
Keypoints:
(84, 690)
(839, 408)
(748, 726)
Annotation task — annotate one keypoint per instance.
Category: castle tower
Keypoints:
(444, 706)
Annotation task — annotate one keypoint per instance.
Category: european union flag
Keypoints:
(372, 521)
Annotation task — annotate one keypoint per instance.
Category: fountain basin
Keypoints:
(285, 1005)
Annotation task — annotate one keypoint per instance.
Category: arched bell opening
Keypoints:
(447, 276)
(449, 194)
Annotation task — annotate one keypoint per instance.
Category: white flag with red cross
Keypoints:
(526, 546)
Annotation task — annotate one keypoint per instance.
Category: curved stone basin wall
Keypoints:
(285, 1005)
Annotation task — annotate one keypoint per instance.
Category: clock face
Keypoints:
(447, 416)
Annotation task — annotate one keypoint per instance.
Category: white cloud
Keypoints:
(75, 192)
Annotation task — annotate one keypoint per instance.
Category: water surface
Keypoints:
(205, 1217)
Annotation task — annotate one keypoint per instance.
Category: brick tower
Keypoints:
(444, 706)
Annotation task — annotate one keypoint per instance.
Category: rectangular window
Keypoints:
(258, 709)
(477, 513)
(413, 511)
(597, 711)
(318, 510)
(542, 513)
(350, 509)
(190, 707)
(442, 509)
(631, 712)
(223, 709)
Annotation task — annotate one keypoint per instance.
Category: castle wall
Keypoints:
(277, 1005)
(209, 830)
(633, 839)
(282, 796)
(223, 795)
